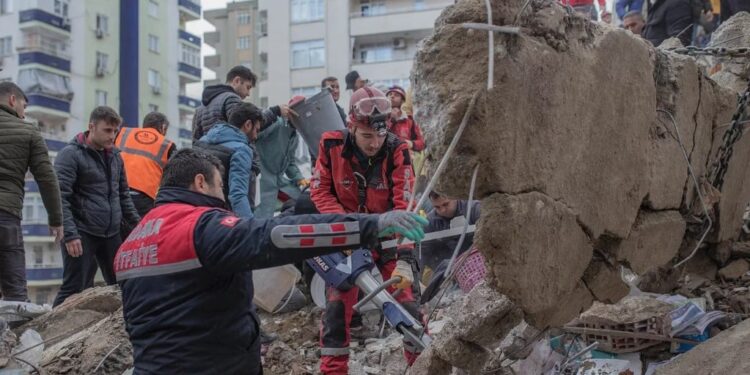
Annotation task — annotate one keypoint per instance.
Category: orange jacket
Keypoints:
(145, 153)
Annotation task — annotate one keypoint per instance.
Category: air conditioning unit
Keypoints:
(101, 70)
(156, 90)
(99, 33)
(66, 22)
(399, 43)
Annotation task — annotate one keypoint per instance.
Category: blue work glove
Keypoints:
(405, 223)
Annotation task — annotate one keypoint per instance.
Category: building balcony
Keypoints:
(212, 38)
(211, 62)
(189, 73)
(55, 145)
(189, 10)
(263, 44)
(188, 104)
(190, 38)
(38, 19)
(48, 109)
(44, 58)
(394, 20)
(35, 230)
(44, 272)
(381, 70)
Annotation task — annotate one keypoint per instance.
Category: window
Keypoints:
(384, 84)
(243, 18)
(38, 254)
(5, 6)
(6, 46)
(101, 97)
(153, 9)
(61, 8)
(153, 79)
(190, 55)
(243, 42)
(263, 23)
(307, 10)
(375, 53)
(153, 43)
(101, 63)
(308, 54)
(305, 91)
(33, 210)
(419, 5)
(372, 9)
(102, 23)
(153, 108)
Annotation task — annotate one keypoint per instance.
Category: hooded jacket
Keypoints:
(239, 171)
(94, 189)
(278, 170)
(22, 148)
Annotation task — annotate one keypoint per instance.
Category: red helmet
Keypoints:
(369, 106)
(398, 90)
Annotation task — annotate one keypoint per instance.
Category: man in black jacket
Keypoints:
(671, 18)
(185, 270)
(95, 199)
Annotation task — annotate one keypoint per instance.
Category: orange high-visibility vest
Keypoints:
(144, 153)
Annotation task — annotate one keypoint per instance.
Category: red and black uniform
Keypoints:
(185, 274)
(407, 129)
(347, 181)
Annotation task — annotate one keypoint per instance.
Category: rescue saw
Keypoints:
(344, 272)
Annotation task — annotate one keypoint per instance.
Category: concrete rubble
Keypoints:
(582, 172)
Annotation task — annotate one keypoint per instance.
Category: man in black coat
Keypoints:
(671, 18)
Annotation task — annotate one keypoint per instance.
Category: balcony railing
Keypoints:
(387, 10)
(43, 58)
(190, 5)
(49, 102)
(186, 36)
(188, 69)
(30, 15)
(188, 101)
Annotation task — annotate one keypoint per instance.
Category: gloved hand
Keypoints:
(303, 183)
(402, 222)
(403, 270)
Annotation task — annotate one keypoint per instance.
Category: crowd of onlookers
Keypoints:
(691, 21)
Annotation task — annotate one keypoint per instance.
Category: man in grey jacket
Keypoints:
(22, 148)
(95, 199)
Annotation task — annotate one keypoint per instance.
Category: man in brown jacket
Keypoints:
(22, 148)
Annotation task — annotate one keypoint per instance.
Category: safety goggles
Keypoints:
(367, 106)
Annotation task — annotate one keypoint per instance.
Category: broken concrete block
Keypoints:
(536, 252)
(77, 312)
(103, 347)
(430, 363)
(629, 310)
(487, 316)
(732, 33)
(654, 240)
(724, 354)
(604, 282)
(735, 270)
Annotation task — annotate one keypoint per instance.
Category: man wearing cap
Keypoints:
(401, 124)
(354, 82)
(363, 169)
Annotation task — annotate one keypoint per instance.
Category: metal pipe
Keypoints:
(375, 292)
(491, 49)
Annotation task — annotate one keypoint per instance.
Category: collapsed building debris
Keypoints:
(582, 146)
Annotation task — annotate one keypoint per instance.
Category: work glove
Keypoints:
(401, 222)
(303, 183)
(403, 270)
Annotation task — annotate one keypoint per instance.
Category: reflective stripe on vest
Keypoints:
(315, 235)
(161, 244)
(144, 153)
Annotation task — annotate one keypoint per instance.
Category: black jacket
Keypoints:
(435, 251)
(670, 18)
(201, 321)
(94, 190)
(730, 7)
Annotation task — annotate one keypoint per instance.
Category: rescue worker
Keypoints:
(402, 124)
(185, 273)
(363, 169)
(145, 153)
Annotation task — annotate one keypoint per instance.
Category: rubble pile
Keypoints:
(84, 335)
(581, 168)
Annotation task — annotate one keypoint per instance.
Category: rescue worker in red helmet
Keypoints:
(363, 169)
(402, 124)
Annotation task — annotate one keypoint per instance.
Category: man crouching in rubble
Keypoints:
(186, 289)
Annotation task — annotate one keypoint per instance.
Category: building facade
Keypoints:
(235, 40)
(304, 41)
(70, 56)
